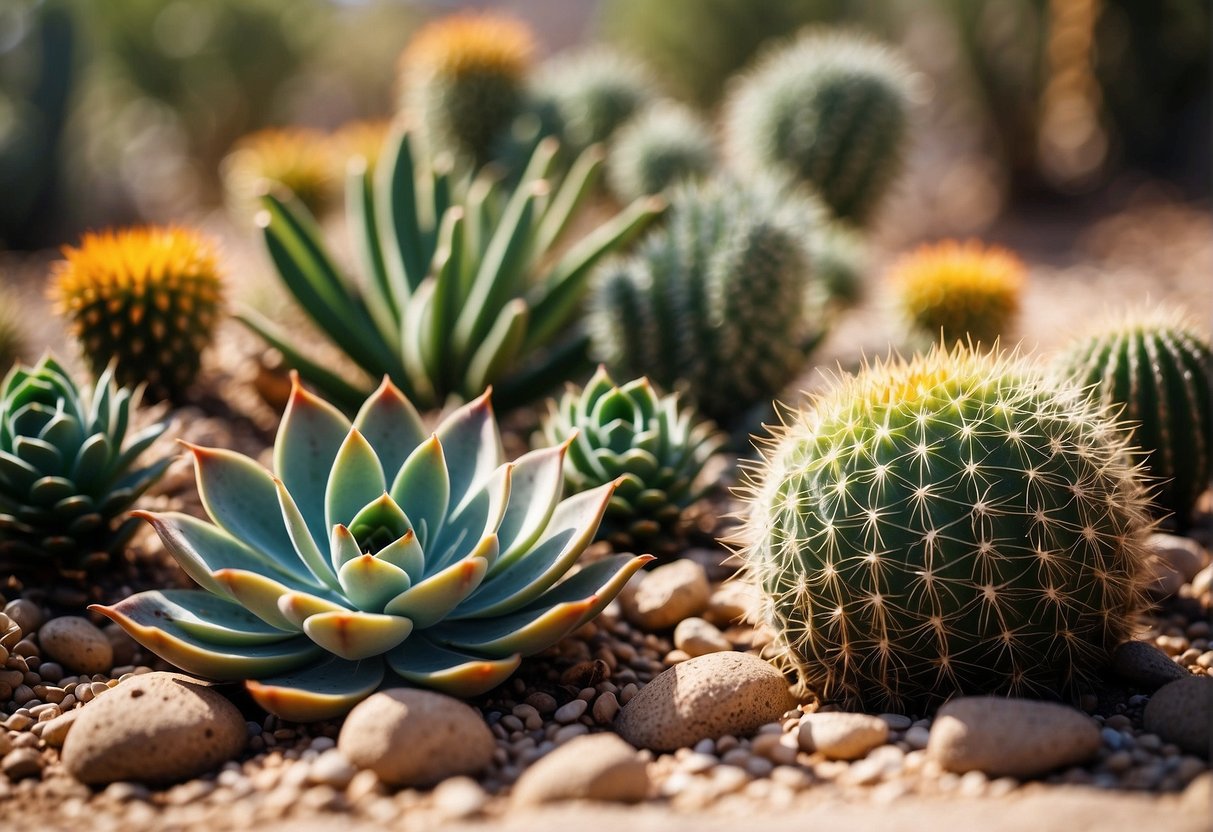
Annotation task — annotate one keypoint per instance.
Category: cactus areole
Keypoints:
(952, 524)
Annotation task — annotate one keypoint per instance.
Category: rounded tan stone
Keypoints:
(1181, 712)
(667, 595)
(594, 767)
(76, 644)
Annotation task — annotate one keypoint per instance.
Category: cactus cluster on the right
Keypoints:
(1156, 370)
(954, 524)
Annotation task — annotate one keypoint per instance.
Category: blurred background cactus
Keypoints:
(301, 160)
(714, 302)
(146, 300)
(831, 110)
(952, 524)
(463, 81)
(662, 146)
(1154, 370)
(958, 291)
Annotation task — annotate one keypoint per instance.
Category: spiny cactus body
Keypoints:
(1156, 368)
(653, 449)
(840, 266)
(463, 80)
(298, 159)
(147, 298)
(952, 524)
(67, 474)
(958, 290)
(662, 146)
(713, 302)
(830, 110)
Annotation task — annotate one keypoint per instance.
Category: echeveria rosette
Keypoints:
(374, 547)
(654, 448)
(67, 469)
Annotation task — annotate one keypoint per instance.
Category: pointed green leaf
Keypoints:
(422, 488)
(370, 582)
(433, 598)
(357, 635)
(356, 479)
(472, 447)
(322, 691)
(256, 593)
(405, 553)
(305, 545)
(391, 425)
(499, 350)
(536, 484)
(427, 664)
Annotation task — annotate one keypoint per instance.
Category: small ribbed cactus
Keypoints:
(952, 524)
(653, 449)
(1156, 368)
(713, 302)
(148, 298)
(840, 266)
(662, 146)
(463, 80)
(590, 94)
(830, 110)
(296, 158)
(960, 290)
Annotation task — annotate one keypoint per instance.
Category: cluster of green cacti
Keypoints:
(654, 450)
(146, 300)
(831, 111)
(1156, 371)
(460, 290)
(375, 545)
(67, 469)
(952, 524)
(713, 303)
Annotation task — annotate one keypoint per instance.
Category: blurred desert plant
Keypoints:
(660, 147)
(297, 158)
(14, 340)
(37, 52)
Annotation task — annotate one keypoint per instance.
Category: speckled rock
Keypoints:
(414, 737)
(842, 736)
(731, 603)
(667, 595)
(1181, 712)
(594, 767)
(25, 614)
(704, 698)
(1010, 737)
(696, 637)
(77, 645)
(155, 728)
(1145, 665)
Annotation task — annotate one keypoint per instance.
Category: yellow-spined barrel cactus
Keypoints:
(661, 147)
(147, 299)
(463, 80)
(952, 524)
(1156, 369)
(652, 448)
(67, 470)
(299, 159)
(362, 139)
(959, 291)
(375, 546)
(830, 110)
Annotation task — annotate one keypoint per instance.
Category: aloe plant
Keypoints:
(374, 547)
(460, 289)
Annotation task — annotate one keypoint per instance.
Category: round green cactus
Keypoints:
(376, 545)
(714, 302)
(840, 266)
(662, 146)
(952, 524)
(654, 450)
(590, 94)
(830, 110)
(67, 470)
(1157, 369)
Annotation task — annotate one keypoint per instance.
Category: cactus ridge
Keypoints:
(1156, 369)
(831, 110)
(952, 524)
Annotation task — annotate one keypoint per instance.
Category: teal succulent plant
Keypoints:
(375, 550)
(713, 303)
(1156, 368)
(461, 288)
(653, 449)
(954, 524)
(830, 110)
(67, 469)
(661, 147)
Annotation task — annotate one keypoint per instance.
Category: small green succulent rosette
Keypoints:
(655, 449)
(374, 547)
(67, 469)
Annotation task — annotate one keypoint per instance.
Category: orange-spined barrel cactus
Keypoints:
(298, 159)
(1156, 368)
(958, 291)
(952, 524)
(147, 298)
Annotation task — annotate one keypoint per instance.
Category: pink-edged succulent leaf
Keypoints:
(357, 635)
(391, 424)
(432, 599)
(430, 665)
(472, 445)
(356, 479)
(370, 582)
(207, 635)
(535, 488)
(422, 488)
(320, 691)
(301, 536)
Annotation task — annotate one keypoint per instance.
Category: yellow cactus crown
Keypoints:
(299, 158)
(471, 42)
